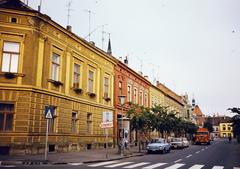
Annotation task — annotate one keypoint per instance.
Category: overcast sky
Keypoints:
(192, 46)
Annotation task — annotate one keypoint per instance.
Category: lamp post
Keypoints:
(121, 100)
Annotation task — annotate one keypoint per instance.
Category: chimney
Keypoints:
(126, 60)
(69, 28)
(92, 43)
(158, 82)
(146, 77)
(139, 72)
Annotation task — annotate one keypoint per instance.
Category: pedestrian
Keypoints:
(229, 138)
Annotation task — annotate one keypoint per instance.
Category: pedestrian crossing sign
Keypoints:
(49, 112)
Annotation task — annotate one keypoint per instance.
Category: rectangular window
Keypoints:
(76, 76)
(106, 87)
(146, 99)
(74, 122)
(11, 51)
(89, 123)
(141, 98)
(90, 81)
(52, 121)
(55, 66)
(6, 117)
(135, 95)
(120, 88)
(129, 91)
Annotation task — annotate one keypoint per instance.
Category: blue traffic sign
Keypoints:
(49, 111)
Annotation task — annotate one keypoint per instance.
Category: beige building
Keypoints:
(43, 64)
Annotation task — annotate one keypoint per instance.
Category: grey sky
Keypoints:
(191, 46)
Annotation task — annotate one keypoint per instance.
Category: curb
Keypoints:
(29, 162)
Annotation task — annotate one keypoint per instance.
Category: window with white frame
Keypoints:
(90, 81)
(76, 76)
(55, 66)
(89, 123)
(129, 93)
(74, 122)
(11, 52)
(146, 99)
(135, 95)
(141, 97)
(120, 88)
(106, 87)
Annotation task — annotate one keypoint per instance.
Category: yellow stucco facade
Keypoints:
(225, 130)
(57, 68)
(156, 96)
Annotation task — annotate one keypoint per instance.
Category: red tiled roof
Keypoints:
(197, 111)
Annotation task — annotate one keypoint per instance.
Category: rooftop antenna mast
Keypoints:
(69, 10)
(103, 32)
(39, 6)
(89, 21)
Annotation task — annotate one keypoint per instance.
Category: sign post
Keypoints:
(107, 122)
(48, 115)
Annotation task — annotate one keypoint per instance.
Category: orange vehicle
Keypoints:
(202, 136)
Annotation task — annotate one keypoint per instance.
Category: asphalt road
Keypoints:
(220, 154)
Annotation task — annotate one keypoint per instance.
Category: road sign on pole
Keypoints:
(49, 111)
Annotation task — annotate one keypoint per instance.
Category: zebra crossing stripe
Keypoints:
(119, 164)
(74, 164)
(236, 167)
(196, 166)
(154, 166)
(102, 163)
(175, 166)
(137, 165)
(218, 167)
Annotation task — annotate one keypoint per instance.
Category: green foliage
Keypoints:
(158, 118)
(236, 122)
(208, 125)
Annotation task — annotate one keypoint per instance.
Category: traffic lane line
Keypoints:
(189, 156)
(177, 160)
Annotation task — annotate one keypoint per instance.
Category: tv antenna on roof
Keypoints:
(39, 6)
(89, 21)
(69, 9)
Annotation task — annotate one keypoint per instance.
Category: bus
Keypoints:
(202, 136)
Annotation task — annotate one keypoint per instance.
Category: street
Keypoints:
(220, 154)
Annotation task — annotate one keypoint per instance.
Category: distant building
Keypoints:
(199, 116)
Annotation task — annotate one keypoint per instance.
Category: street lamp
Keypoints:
(121, 100)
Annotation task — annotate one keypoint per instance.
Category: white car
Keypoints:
(177, 143)
(158, 145)
(185, 142)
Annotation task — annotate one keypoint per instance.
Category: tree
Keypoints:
(236, 122)
(208, 125)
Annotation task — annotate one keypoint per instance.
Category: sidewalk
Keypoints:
(88, 156)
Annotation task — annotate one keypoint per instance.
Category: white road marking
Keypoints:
(175, 166)
(197, 166)
(177, 160)
(202, 149)
(8, 166)
(137, 165)
(75, 164)
(197, 152)
(236, 167)
(154, 166)
(189, 156)
(218, 167)
(102, 163)
(119, 164)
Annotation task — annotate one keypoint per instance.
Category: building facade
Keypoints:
(134, 87)
(226, 129)
(43, 64)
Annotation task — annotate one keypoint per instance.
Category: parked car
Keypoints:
(177, 143)
(158, 145)
(185, 142)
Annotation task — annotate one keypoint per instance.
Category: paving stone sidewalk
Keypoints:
(86, 156)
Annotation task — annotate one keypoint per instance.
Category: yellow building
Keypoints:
(225, 129)
(43, 64)
(156, 96)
